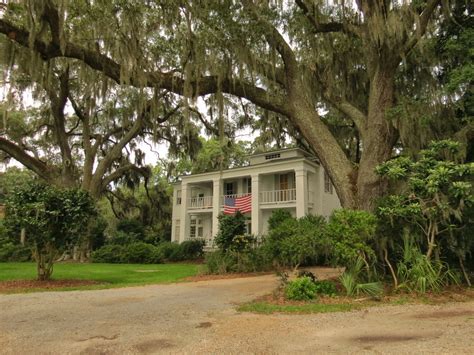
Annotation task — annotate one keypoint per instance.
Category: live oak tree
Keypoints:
(292, 59)
(75, 139)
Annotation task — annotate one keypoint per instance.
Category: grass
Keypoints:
(269, 308)
(269, 304)
(108, 275)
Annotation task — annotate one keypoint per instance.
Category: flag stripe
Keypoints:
(242, 204)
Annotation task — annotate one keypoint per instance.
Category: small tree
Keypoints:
(294, 241)
(52, 219)
(351, 233)
(277, 218)
(230, 226)
(437, 190)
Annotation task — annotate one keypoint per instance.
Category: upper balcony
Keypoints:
(200, 203)
(270, 197)
(277, 196)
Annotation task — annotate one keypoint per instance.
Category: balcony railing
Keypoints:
(266, 197)
(278, 196)
(200, 202)
(232, 197)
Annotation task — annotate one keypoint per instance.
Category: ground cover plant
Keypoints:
(104, 275)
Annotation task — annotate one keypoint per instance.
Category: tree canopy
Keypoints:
(350, 79)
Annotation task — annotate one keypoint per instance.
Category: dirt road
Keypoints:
(200, 317)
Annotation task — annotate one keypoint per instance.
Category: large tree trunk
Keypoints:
(329, 152)
(379, 139)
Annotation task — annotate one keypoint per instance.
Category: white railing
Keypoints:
(278, 196)
(200, 202)
(234, 196)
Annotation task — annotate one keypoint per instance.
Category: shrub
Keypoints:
(142, 253)
(325, 287)
(301, 289)
(220, 262)
(229, 227)
(242, 243)
(438, 193)
(14, 252)
(416, 272)
(294, 242)
(350, 232)
(192, 249)
(355, 280)
(170, 251)
(96, 232)
(305, 273)
(278, 217)
(111, 253)
(253, 260)
(131, 226)
(122, 238)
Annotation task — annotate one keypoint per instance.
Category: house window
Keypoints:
(272, 156)
(327, 183)
(192, 229)
(248, 185)
(196, 228)
(178, 197)
(229, 188)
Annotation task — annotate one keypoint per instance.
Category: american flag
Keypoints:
(234, 204)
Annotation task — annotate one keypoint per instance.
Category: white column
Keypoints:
(256, 213)
(301, 177)
(321, 191)
(184, 217)
(216, 205)
(174, 215)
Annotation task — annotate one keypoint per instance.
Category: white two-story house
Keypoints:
(291, 179)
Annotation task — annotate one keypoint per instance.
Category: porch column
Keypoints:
(216, 205)
(184, 217)
(256, 213)
(301, 177)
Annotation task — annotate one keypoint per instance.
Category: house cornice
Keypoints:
(275, 164)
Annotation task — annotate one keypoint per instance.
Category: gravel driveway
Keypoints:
(200, 317)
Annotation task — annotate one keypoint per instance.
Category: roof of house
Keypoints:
(306, 155)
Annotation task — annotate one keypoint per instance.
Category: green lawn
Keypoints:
(109, 275)
(269, 308)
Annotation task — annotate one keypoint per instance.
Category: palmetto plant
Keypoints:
(353, 280)
(416, 272)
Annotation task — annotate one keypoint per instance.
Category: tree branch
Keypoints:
(264, 68)
(31, 163)
(119, 172)
(423, 23)
(170, 81)
(274, 38)
(325, 27)
(351, 111)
